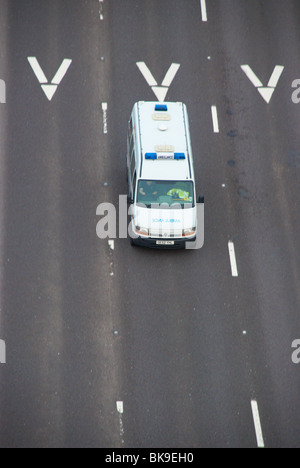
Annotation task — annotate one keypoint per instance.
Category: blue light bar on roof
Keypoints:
(150, 156)
(161, 107)
(179, 156)
(166, 156)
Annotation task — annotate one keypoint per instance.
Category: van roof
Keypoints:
(163, 130)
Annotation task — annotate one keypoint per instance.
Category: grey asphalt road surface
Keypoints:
(108, 345)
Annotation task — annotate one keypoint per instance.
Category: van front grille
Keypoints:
(166, 234)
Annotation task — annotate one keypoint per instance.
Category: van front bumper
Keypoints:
(157, 243)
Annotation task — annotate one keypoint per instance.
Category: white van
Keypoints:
(161, 181)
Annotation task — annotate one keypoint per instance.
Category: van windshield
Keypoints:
(174, 194)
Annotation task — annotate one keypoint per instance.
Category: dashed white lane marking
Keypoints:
(101, 10)
(111, 244)
(257, 424)
(2, 92)
(104, 111)
(2, 352)
(203, 10)
(214, 114)
(120, 409)
(231, 249)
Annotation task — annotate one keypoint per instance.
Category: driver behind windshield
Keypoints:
(148, 190)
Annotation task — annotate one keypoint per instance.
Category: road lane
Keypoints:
(184, 381)
(264, 185)
(59, 381)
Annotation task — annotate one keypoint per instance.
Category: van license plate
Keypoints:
(165, 242)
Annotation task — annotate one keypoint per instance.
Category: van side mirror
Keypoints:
(201, 199)
(130, 199)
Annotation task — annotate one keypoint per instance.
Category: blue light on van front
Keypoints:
(150, 156)
(179, 156)
(161, 107)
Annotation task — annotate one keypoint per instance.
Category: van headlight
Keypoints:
(142, 231)
(189, 232)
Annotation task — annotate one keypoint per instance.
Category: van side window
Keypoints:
(131, 145)
(132, 163)
(134, 184)
(130, 132)
(130, 138)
